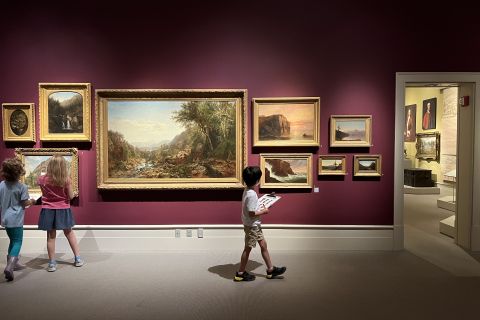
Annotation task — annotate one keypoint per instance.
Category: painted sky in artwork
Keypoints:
(32, 162)
(144, 123)
(61, 96)
(300, 112)
(350, 125)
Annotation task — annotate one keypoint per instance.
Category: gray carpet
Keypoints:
(195, 285)
(431, 279)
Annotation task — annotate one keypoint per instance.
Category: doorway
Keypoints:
(453, 169)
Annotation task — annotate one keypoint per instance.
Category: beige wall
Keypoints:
(416, 96)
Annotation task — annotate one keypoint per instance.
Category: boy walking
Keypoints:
(252, 227)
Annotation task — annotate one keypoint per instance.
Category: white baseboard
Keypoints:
(215, 237)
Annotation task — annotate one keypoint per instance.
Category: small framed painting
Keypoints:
(428, 146)
(367, 165)
(35, 162)
(410, 132)
(332, 165)
(65, 112)
(350, 131)
(18, 121)
(286, 122)
(287, 170)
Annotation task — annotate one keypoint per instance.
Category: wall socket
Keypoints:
(189, 233)
(177, 233)
(200, 232)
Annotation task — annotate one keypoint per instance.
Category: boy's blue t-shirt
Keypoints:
(11, 196)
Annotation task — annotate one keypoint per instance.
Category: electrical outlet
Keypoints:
(177, 233)
(189, 233)
(315, 189)
(200, 232)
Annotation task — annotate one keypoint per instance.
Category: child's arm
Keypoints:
(259, 212)
(27, 203)
(71, 194)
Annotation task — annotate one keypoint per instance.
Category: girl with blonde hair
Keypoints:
(56, 213)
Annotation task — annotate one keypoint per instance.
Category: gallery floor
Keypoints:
(428, 280)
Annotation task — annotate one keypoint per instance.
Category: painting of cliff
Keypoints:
(65, 112)
(167, 139)
(286, 122)
(350, 131)
(286, 170)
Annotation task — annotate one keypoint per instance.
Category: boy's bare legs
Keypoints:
(51, 236)
(244, 259)
(265, 254)
(72, 240)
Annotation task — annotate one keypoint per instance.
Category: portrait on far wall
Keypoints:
(429, 115)
(410, 132)
(65, 111)
(18, 121)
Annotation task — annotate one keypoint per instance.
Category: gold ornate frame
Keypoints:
(341, 158)
(359, 172)
(428, 156)
(286, 156)
(102, 98)
(45, 89)
(22, 153)
(29, 110)
(335, 119)
(315, 139)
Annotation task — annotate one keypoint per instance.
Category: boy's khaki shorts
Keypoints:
(252, 235)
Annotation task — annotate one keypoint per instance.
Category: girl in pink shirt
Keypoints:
(56, 213)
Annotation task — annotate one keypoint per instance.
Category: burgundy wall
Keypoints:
(346, 53)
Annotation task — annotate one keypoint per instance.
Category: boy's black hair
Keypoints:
(12, 169)
(251, 175)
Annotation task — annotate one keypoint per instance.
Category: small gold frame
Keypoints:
(325, 167)
(18, 121)
(362, 169)
(39, 160)
(360, 132)
(58, 125)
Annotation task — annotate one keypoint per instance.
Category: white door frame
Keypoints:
(427, 77)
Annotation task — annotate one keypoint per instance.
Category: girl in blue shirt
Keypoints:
(13, 200)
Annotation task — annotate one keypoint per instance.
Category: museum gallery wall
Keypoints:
(271, 51)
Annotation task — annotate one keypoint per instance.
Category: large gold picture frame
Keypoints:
(18, 121)
(367, 165)
(286, 122)
(286, 170)
(351, 131)
(65, 111)
(171, 139)
(36, 161)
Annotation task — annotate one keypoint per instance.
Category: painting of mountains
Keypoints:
(368, 165)
(287, 170)
(65, 112)
(350, 131)
(286, 121)
(167, 139)
(331, 165)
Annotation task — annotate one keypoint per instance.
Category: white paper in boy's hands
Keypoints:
(35, 195)
(267, 200)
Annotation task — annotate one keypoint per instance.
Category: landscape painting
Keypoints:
(286, 170)
(350, 131)
(331, 165)
(65, 111)
(36, 162)
(368, 165)
(18, 121)
(428, 146)
(286, 121)
(170, 143)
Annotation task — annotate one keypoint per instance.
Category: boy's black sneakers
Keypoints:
(245, 276)
(275, 272)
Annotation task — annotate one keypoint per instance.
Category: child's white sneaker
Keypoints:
(52, 267)
(79, 262)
